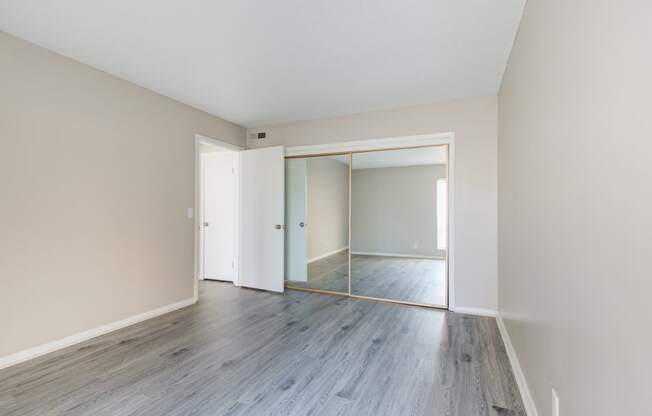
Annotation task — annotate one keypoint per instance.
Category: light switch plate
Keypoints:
(190, 213)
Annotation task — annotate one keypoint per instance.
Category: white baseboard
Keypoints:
(528, 403)
(475, 311)
(412, 256)
(330, 253)
(22, 356)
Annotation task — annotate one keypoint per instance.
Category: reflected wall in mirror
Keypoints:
(317, 223)
(399, 225)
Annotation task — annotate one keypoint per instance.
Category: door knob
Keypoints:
(301, 224)
(205, 224)
(278, 226)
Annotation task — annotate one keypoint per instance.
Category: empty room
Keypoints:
(432, 207)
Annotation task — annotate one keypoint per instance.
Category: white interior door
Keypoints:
(296, 241)
(262, 206)
(219, 205)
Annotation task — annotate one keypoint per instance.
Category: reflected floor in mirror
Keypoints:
(396, 278)
(328, 273)
(399, 278)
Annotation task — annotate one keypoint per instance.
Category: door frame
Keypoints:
(389, 143)
(198, 214)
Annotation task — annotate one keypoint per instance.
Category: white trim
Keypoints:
(369, 144)
(476, 311)
(528, 403)
(219, 143)
(435, 139)
(412, 256)
(330, 253)
(451, 222)
(22, 356)
(198, 269)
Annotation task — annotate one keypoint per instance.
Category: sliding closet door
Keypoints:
(317, 233)
(398, 225)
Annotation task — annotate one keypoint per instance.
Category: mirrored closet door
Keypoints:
(317, 223)
(370, 224)
(399, 225)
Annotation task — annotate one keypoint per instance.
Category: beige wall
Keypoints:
(575, 204)
(95, 178)
(328, 205)
(393, 209)
(474, 122)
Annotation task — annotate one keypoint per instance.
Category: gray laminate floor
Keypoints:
(245, 352)
(396, 278)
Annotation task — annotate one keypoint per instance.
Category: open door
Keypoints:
(219, 220)
(296, 249)
(262, 207)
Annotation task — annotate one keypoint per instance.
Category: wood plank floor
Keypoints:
(245, 352)
(396, 278)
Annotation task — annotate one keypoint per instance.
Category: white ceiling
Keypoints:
(395, 158)
(258, 62)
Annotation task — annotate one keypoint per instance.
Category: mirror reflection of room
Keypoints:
(317, 227)
(399, 225)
